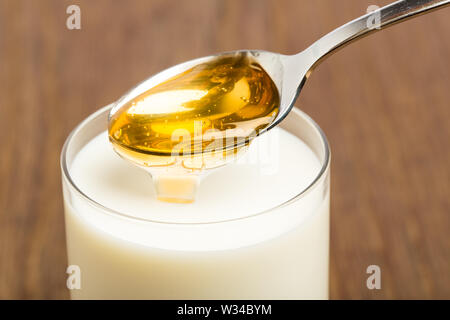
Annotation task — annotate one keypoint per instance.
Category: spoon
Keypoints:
(289, 72)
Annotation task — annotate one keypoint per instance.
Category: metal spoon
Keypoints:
(289, 72)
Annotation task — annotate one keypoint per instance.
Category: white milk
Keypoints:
(210, 249)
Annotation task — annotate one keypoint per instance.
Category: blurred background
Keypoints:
(383, 103)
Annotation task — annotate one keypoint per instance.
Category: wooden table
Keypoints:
(383, 102)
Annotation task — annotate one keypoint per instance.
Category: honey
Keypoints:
(198, 119)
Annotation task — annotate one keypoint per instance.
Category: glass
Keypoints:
(280, 253)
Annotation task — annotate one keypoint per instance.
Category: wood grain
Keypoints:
(383, 102)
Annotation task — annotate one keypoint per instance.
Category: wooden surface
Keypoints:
(383, 103)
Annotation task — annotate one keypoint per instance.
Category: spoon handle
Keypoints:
(376, 20)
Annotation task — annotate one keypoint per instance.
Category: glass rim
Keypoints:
(325, 164)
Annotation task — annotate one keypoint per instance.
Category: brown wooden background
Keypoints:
(383, 102)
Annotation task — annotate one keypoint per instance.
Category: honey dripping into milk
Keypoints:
(197, 120)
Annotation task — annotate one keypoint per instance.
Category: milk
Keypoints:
(236, 241)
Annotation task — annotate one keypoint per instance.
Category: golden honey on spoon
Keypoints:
(197, 119)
